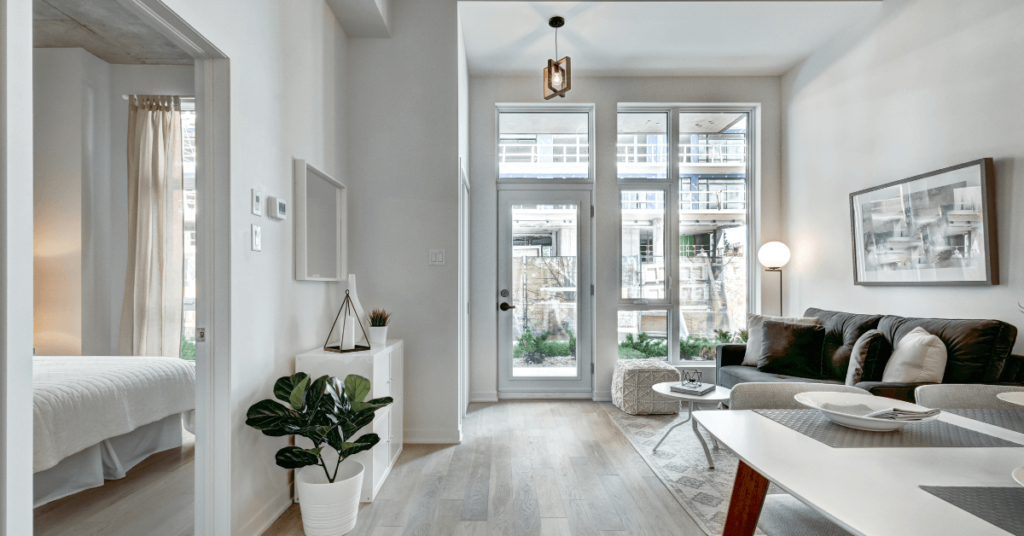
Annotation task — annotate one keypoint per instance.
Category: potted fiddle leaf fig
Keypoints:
(328, 412)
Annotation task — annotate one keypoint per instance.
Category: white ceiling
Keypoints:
(759, 38)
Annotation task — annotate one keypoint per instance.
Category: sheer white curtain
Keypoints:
(151, 314)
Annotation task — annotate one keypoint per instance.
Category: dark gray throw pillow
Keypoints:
(868, 358)
(791, 349)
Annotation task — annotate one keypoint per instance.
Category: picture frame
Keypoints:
(934, 229)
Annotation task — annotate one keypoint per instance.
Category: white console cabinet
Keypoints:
(382, 365)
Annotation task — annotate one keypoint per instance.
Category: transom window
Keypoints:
(543, 145)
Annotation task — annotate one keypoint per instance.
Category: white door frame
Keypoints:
(213, 270)
(463, 256)
(582, 386)
(16, 267)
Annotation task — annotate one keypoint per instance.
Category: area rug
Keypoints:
(681, 465)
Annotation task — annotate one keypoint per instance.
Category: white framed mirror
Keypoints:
(321, 226)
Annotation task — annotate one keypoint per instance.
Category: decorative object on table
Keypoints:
(379, 320)
(321, 225)
(938, 228)
(866, 412)
(348, 341)
(328, 413)
(557, 75)
(632, 382)
(773, 256)
(691, 384)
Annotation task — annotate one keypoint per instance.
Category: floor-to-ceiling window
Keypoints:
(677, 302)
(188, 169)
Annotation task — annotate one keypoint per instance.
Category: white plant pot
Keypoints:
(329, 509)
(378, 335)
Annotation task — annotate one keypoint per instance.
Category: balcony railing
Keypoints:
(712, 153)
(533, 153)
(728, 199)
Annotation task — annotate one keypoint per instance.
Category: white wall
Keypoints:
(403, 163)
(605, 93)
(72, 169)
(928, 84)
(288, 65)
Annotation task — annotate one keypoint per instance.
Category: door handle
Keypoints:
(505, 306)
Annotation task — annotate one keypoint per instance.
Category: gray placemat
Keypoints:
(811, 423)
(1011, 419)
(1001, 507)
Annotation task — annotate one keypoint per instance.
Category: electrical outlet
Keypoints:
(257, 238)
(436, 257)
(257, 202)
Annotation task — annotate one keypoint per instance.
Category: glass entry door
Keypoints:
(544, 293)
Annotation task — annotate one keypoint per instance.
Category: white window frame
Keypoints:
(671, 187)
(588, 109)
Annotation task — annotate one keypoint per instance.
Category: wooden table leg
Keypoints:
(748, 494)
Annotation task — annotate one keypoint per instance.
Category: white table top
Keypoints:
(720, 394)
(871, 491)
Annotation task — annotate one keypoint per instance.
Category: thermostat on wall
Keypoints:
(278, 208)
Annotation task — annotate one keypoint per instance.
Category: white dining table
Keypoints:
(866, 491)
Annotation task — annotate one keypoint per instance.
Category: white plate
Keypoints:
(848, 409)
(1013, 397)
(1018, 475)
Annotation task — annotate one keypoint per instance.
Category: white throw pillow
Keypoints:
(919, 357)
(754, 325)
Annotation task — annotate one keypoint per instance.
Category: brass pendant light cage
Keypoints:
(558, 74)
(346, 307)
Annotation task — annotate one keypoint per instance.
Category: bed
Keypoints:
(97, 417)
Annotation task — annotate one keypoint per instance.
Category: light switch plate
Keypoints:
(257, 238)
(436, 257)
(257, 202)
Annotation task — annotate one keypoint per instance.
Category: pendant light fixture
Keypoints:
(556, 75)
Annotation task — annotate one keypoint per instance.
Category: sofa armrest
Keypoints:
(727, 355)
(899, 391)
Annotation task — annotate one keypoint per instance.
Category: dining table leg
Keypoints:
(748, 494)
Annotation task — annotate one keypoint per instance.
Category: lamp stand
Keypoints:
(780, 286)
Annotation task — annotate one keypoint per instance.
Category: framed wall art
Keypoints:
(938, 228)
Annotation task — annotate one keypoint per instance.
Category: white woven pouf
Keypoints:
(631, 386)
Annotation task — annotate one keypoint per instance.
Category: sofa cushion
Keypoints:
(976, 350)
(868, 358)
(919, 357)
(790, 349)
(733, 375)
(754, 325)
(842, 330)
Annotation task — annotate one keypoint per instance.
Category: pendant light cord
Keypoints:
(556, 44)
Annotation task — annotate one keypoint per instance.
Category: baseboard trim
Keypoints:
(546, 396)
(483, 396)
(259, 523)
(604, 396)
(441, 436)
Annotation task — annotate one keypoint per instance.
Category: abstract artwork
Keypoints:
(938, 228)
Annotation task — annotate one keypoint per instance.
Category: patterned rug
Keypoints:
(680, 463)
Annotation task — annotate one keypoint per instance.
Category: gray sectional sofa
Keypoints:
(978, 351)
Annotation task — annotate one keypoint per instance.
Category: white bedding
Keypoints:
(80, 401)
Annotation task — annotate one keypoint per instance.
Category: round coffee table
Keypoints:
(719, 395)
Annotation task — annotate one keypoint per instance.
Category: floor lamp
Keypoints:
(773, 256)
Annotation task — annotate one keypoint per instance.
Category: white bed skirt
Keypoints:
(109, 459)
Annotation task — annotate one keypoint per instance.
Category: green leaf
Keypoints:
(320, 400)
(376, 403)
(366, 442)
(298, 396)
(284, 386)
(356, 387)
(273, 419)
(355, 422)
(294, 457)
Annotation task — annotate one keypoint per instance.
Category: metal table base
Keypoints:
(689, 418)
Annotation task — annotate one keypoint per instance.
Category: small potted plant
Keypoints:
(379, 320)
(328, 413)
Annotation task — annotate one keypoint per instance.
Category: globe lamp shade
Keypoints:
(773, 255)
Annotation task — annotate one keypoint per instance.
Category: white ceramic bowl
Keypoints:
(1018, 475)
(848, 409)
(1013, 397)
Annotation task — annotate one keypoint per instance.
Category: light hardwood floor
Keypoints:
(155, 499)
(526, 468)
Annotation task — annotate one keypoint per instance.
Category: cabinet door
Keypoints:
(381, 379)
(381, 452)
(396, 427)
(397, 367)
